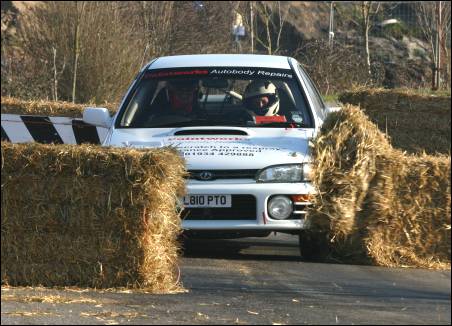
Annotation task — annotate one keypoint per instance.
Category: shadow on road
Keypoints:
(241, 249)
(281, 247)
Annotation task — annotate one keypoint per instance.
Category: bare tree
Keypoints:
(156, 18)
(37, 40)
(85, 55)
(79, 12)
(101, 44)
(434, 21)
(272, 19)
(445, 39)
(368, 11)
(56, 73)
(112, 50)
(334, 71)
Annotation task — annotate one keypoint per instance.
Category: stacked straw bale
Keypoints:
(90, 216)
(13, 105)
(378, 203)
(410, 211)
(415, 122)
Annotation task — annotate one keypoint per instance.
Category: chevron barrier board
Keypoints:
(45, 129)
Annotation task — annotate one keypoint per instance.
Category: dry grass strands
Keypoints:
(90, 216)
(47, 108)
(415, 122)
(46, 299)
(378, 203)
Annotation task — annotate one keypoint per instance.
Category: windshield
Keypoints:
(244, 97)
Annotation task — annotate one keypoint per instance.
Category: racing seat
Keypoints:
(286, 104)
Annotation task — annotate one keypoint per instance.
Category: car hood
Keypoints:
(255, 148)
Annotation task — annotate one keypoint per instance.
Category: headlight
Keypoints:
(285, 173)
(280, 207)
(308, 172)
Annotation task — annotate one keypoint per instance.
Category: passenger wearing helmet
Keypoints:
(183, 95)
(261, 98)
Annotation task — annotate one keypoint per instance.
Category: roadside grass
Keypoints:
(331, 98)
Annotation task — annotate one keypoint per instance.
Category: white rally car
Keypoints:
(249, 171)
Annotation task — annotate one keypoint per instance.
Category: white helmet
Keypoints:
(259, 88)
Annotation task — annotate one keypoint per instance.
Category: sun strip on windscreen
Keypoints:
(236, 72)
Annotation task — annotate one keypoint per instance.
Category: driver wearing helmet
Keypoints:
(261, 98)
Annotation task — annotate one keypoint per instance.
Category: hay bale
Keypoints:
(344, 153)
(379, 204)
(90, 216)
(13, 105)
(409, 212)
(415, 122)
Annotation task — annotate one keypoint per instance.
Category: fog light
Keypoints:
(280, 207)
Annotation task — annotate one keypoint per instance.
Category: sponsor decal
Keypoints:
(247, 72)
(270, 74)
(223, 150)
(206, 138)
(161, 74)
(296, 117)
(252, 73)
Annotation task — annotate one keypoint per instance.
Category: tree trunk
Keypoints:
(75, 65)
(252, 26)
(269, 37)
(438, 45)
(55, 76)
(79, 14)
(366, 41)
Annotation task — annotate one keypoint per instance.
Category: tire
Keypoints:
(314, 246)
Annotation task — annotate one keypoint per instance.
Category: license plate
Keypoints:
(207, 201)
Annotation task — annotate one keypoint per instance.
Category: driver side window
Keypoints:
(314, 94)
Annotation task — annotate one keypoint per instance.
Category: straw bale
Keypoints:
(345, 154)
(415, 122)
(90, 216)
(13, 105)
(379, 204)
(409, 215)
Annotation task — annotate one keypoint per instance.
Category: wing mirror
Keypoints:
(97, 116)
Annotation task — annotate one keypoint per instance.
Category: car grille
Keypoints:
(300, 210)
(221, 174)
(243, 208)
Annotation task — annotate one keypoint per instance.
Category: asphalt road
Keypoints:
(251, 281)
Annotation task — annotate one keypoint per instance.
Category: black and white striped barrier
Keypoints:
(43, 129)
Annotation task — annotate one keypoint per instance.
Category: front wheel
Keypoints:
(313, 245)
